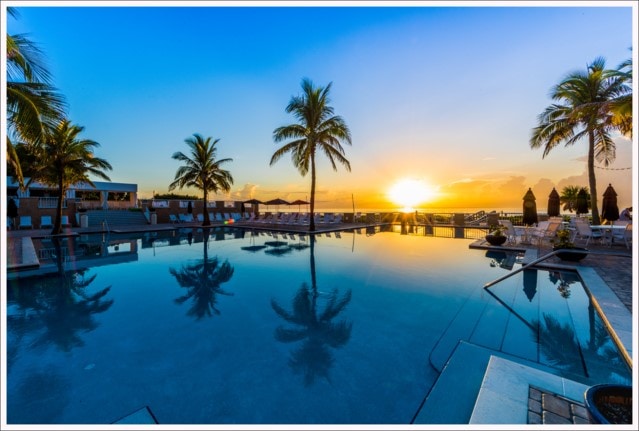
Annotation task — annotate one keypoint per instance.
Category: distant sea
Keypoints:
(436, 210)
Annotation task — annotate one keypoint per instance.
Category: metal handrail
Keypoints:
(546, 256)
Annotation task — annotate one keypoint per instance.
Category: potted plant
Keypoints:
(496, 235)
(570, 252)
(609, 403)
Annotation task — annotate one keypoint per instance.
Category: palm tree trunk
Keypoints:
(311, 226)
(57, 226)
(592, 180)
(207, 221)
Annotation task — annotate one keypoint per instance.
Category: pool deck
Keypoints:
(502, 391)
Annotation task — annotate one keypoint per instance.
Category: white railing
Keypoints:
(160, 204)
(50, 203)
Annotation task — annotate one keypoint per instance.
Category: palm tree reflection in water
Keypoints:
(313, 358)
(203, 280)
(62, 305)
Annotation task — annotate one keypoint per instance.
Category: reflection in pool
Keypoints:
(232, 326)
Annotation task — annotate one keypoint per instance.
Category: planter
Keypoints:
(571, 254)
(496, 240)
(609, 404)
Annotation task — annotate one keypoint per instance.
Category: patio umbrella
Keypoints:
(582, 202)
(253, 202)
(530, 208)
(609, 208)
(277, 202)
(553, 203)
(189, 208)
(299, 203)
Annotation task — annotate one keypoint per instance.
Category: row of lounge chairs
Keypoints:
(274, 218)
(45, 222)
(580, 229)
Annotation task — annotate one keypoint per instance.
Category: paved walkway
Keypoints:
(553, 409)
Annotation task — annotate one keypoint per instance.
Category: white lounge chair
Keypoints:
(45, 221)
(25, 222)
(511, 232)
(584, 231)
(622, 235)
(546, 231)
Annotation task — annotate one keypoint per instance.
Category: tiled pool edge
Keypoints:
(503, 395)
(613, 313)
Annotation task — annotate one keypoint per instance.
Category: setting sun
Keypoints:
(408, 193)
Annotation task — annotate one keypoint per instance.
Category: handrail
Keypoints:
(546, 256)
(106, 223)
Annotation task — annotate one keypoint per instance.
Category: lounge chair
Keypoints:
(200, 218)
(547, 231)
(584, 231)
(623, 235)
(511, 232)
(25, 222)
(45, 221)
(173, 218)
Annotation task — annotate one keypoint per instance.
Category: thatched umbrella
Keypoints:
(553, 203)
(609, 208)
(299, 203)
(581, 207)
(277, 202)
(530, 208)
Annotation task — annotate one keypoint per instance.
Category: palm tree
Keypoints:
(569, 197)
(583, 111)
(201, 170)
(32, 103)
(64, 159)
(318, 129)
(621, 107)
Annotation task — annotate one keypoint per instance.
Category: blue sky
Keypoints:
(443, 95)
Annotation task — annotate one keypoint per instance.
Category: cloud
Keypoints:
(245, 193)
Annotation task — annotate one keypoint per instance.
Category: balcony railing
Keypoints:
(50, 203)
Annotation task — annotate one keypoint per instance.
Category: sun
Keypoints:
(408, 193)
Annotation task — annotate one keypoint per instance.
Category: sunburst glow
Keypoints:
(408, 193)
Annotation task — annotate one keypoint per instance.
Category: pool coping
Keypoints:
(506, 385)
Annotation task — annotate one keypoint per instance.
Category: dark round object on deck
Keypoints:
(609, 404)
(572, 254)
(496, 240)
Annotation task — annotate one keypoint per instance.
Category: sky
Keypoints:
(442, 94)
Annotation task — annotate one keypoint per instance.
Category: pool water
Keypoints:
(237, 327)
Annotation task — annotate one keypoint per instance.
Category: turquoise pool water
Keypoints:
(237, 327)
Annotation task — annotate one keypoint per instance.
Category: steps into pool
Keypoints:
(454, 397)
(139, 417)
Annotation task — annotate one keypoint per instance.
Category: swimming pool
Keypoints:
(261, 327)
